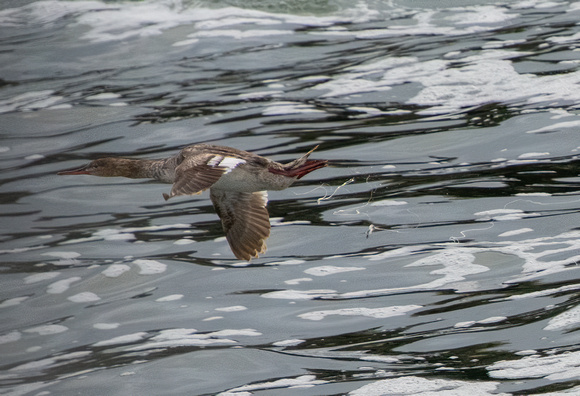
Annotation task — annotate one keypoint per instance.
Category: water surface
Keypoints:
(439, 253)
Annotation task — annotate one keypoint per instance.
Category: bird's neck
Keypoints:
(144, 169)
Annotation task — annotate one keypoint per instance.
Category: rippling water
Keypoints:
(438, 254)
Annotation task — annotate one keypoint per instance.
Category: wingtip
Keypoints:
(166, 196)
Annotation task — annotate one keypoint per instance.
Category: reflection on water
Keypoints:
(438, 254)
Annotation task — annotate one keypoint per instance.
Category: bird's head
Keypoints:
(106, 167)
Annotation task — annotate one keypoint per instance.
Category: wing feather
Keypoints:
(245, 220)
(193, 180)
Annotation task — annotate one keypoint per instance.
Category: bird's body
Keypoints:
(238, 181)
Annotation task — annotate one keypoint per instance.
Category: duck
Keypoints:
(238, 181)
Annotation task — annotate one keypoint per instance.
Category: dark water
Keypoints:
(437, 256)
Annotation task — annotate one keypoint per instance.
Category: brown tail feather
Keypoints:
(302, 170)
(309, 166)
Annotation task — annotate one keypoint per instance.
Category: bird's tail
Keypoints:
(301, 166)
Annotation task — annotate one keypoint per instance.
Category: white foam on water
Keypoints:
(34, 157)
(502, 214)
(171, 297)
(399, 252)
(326, 270)
(492, 319)
(123, 234)
(235, 332)
(515, 232)
(47, 329)
(123, 21)
(235, 20)
(299, 294)
(456, 262)
(124, 339)
(29, 101)
(554, 368)
(379, 358)
(64, 258)
(189, 337)
(487, 77)
(470, 323)
(565, 321)
(233, 308)
(502, 43)
(13, 301)
(84, 297)
(211, 318)
(150, 267)
(297, 281)
(533, 194)
(286, 343)
(413, 385)
(106, 326)
(42, 276)
(286, 108)
(532, 155)
(389, 202)
(69, 358)
(183, 241)
(61, 286)
(556, 127)
(115, 235)
(283, 383)
(542, 293)
(535, 253)
(385, 312)
(103, 96)
(526, 352)
(565, 39)
(461, 325)
(287, 262)
(62, 255)
(260, 94)
(239, 34)
(10, 337)
(115, 270)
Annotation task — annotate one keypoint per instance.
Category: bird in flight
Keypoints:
(238, 182)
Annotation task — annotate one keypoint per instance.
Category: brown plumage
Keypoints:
(238, 181)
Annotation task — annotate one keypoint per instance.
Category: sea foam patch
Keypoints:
(385, 312)
(412, 385)
(489, 76)
(84, 297)
(29, 101)
(539, 257)
(47, 329)
(562, 366)
(61, 286)
(303, 381)
(150, 267)
(190, 337)
(326, 270)
(566, 320)
(13, 301)
(67, 358)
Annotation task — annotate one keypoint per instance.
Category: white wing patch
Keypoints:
(263, 195)
(225, 162)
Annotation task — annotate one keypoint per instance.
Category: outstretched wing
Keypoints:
(198, 173)
(245, 220)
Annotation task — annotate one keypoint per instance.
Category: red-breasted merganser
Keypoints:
(238, 181)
